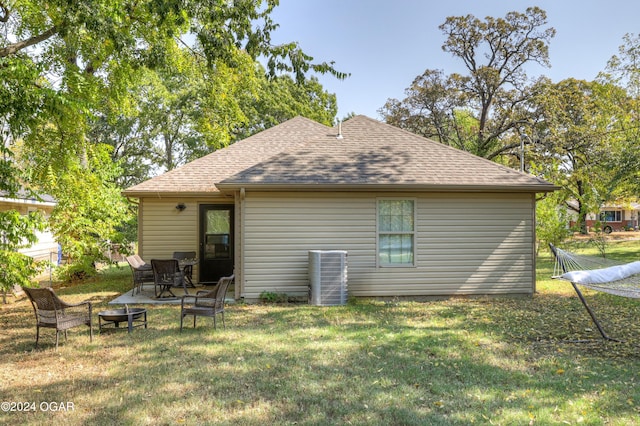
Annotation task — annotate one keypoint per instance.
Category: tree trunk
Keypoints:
(582, 214)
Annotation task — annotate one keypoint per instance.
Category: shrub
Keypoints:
(273, 297)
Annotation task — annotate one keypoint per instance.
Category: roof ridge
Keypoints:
(301, 152)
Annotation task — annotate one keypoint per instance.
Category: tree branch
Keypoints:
(5, 12)
(503, 149)
(16, 47)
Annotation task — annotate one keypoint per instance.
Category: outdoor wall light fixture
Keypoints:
(180, 207)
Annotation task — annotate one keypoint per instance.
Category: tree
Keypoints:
(16, 231)
(69, 60)
(92, 33)
(282, 98)
(623, 70)
(188, 110)
(177, 114)
(484, 111)
(551, 220)
(580, 145)
(18, 105)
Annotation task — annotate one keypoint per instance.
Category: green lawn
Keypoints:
(461, 361)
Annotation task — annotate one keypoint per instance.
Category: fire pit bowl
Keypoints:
(122, 315)
(134, 317)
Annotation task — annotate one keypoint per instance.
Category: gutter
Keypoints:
(242, 240)
(174, 194)
(28, 201)
(339, 187)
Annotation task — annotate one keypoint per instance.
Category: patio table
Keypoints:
(186, 266)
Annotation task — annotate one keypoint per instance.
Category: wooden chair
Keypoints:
(166, 274)
(141, 272)
(206, 303)
(52, 312)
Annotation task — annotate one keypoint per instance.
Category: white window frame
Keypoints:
(413, 233)
(617, 216)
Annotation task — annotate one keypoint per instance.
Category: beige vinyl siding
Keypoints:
(165, 229)
(465, 243)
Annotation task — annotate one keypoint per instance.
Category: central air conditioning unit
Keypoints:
(327, 277)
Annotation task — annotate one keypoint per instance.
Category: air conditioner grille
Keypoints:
(327, 277)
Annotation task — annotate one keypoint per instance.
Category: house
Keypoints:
(612, 217)
(416, 217)
(616, 217)
(46, 247)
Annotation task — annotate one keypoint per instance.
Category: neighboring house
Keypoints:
(612, 217)
(46, 248)
(416, 217)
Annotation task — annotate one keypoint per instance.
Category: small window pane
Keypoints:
(396, 249)
(218, 221)
(395, 216)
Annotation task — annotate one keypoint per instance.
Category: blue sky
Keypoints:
(386, 44)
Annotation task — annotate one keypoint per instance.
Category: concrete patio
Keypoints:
(147, 296)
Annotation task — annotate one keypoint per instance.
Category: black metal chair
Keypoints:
(52, 312)
(166, 274)
(206, 303)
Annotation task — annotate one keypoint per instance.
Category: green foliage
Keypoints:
(18, 269)
(78, 270)
(484, 110)
(282, 98)
(18, 231)
(82, 75)
(552, 221)
(623, 70)
(273, 297)
(186, 110)
(582, 136)
(582, 150)
(599, 239)
(89, 212)
(20, 97)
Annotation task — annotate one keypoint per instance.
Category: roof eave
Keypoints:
(28, 201)
(531, 188)
(173, 194)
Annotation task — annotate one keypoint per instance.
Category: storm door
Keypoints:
(216, 242)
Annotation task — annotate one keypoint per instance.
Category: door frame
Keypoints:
(202, 208)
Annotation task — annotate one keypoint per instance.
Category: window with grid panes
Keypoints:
(396, 232)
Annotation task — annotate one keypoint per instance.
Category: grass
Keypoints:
(459, 361)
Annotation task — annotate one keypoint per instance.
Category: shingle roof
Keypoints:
(201, 175)
(302, 154)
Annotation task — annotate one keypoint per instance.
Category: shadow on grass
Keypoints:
(447, 362)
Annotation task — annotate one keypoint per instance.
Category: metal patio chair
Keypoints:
(206, 303)
(166, 274)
